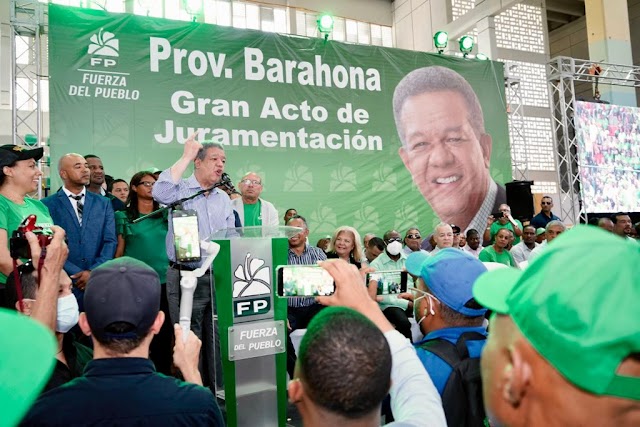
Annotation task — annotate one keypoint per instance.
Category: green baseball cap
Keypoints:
(27, 362)
(540, 231)
(576, 303)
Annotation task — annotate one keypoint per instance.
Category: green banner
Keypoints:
(314, 119)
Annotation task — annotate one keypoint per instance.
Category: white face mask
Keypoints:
(68, 313)
(394, 247)
(416, 307)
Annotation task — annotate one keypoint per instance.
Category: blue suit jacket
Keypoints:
(92, 243)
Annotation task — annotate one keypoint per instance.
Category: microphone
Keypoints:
(225, 181)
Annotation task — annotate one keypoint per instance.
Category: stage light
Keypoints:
(482, 57)
(192, 7)
(325, 25)
(466, 45)
(440, 40)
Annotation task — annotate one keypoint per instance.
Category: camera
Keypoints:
(497, 215)
(18, 244)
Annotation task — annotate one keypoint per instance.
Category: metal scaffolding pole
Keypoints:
(562, 73)
(519, 148)
(27, 27)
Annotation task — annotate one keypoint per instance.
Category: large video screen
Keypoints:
(608, 138)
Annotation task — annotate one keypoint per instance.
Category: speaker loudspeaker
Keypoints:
(520, 199)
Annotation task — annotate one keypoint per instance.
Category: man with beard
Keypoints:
(88, 220)
(97, 179)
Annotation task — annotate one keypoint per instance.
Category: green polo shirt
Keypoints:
(489, 254)
(496, 226)
(252, 214)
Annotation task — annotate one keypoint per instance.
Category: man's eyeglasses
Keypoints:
(545, 203)
(393, 239)
(251, 181)
(413, 236)
(147, 183)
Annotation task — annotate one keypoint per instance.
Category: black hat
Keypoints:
(122, 290)
(455, 228)
(11, 153)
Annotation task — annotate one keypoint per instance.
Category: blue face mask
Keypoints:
(68, 313)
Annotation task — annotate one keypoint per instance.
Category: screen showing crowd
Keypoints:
(609, 156)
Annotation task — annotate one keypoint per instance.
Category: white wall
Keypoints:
(374, 11)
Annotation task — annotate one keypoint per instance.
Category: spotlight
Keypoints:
(192, 7)
(325, 25)
(482, 57)
(466, 45)
(440, 40)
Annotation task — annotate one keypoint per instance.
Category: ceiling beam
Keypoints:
(558, 17)
(574, 8)
(466, 22)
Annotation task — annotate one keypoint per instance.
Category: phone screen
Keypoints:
(389, 282)
(304, 281)
(185, 236)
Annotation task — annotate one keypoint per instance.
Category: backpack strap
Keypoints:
(452, 353)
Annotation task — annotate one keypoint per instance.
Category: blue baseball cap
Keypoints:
(450, 275)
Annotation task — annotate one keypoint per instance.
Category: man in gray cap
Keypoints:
(122, 303)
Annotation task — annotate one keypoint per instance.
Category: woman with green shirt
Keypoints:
(498, 251)
(19, 176)
(145, 241)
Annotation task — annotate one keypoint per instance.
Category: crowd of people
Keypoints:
(111, 302)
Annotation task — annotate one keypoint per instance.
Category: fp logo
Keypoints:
(105, 48)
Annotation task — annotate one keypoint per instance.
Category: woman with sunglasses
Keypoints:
(19, 176)
(145, 241)
(345, 244)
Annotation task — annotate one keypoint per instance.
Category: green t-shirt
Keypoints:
(12, 215)
(145, 241)
(252, 214)
(496, 226)
(489, 254)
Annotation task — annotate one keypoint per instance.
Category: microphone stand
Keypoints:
(178, 202)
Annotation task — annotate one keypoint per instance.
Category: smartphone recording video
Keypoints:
(389, 282)
(185, 235)
(497, 215)
(304, 281)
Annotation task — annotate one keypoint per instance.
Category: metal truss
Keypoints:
(519, 148)
(562, 73)
(27, 26)
(583, 70)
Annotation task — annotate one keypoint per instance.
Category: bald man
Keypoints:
(87, 218)
(253, 210)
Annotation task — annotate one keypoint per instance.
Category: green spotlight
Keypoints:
(482, 57)
(325, 24)
(440, 40)
(192, 7)
(466, 45)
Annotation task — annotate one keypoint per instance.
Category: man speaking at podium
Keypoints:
(214, 212)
